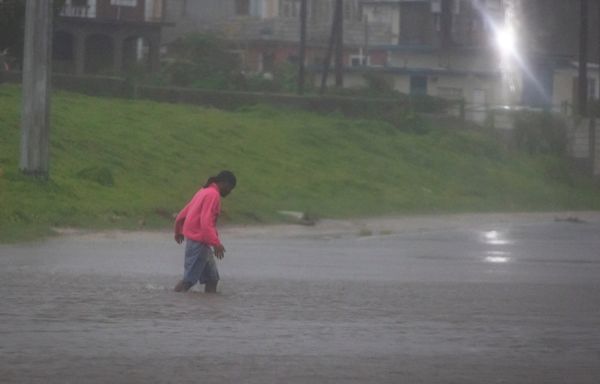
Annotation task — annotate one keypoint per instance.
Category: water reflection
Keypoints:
(495, 238)
(497, 257)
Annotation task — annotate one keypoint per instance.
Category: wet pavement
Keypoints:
(494, 302)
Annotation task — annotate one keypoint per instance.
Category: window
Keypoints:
(437, 21)
(320, 10)
(289, 8)
(124, 3)
(451, 93)
(436, 6)
(591, 88)
(268, 61)
(592, 92)
(359, 60)
(79, 3)
(351, 11)
(418, 85)
(456, 7)
(242, 7)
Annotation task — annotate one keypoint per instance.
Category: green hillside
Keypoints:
(125, 164)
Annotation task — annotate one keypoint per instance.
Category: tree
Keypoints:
(202, 61)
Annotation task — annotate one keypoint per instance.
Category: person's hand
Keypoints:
(219, 251)
(179, 238)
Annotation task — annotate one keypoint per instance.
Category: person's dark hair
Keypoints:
(226, 176)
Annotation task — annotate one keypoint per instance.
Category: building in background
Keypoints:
(107, 36)
(445, 48)
(439, 48)
(435, 47)
(265, 33)
(551, 48)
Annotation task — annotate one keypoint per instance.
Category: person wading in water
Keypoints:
(196, 223)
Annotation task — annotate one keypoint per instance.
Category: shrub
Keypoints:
(201, 61)
(378, 83)
(540, 132)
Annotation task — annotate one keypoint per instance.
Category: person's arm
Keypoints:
(179, 220)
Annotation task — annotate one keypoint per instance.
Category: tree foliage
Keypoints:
(202, 61)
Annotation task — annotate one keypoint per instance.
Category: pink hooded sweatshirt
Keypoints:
(198, 219)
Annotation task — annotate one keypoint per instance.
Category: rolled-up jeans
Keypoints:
(199, 265)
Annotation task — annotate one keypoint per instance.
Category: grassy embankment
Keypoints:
(124, 164)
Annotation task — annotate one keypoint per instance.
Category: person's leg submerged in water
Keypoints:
(183, 286)
(200, 267)
(211, 287)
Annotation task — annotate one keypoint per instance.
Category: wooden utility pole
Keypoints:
(302, 53)
(339, 46)
(35, 113)
(583, 58)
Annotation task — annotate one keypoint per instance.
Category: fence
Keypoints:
(583, 143)
(349, 106)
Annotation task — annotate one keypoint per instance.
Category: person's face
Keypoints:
(224, 188)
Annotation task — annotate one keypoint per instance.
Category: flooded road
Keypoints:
(489, 302)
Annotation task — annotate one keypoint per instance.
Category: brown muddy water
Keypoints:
(496, 303)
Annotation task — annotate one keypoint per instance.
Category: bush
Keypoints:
(378, 83)
(201, 61)
(540, 132)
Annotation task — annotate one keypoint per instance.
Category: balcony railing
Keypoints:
(77, 11)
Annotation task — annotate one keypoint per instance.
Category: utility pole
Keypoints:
(35, 112)
(446, 24)
(332, 42)
(302, 53)
(339, 47)
(583, 58)
(365, 60)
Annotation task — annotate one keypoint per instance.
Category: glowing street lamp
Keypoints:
(506, 41)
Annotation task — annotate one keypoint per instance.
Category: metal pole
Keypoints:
(302, 53)
(35, 115)
(583, 57)
(366, 48)
(339, 46)
(446, 24)
(332, 40)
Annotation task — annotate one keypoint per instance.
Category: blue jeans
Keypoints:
(200, 265)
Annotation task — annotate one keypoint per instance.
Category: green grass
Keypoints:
(123, 164)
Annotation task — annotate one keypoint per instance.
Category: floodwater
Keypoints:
(491, 303)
